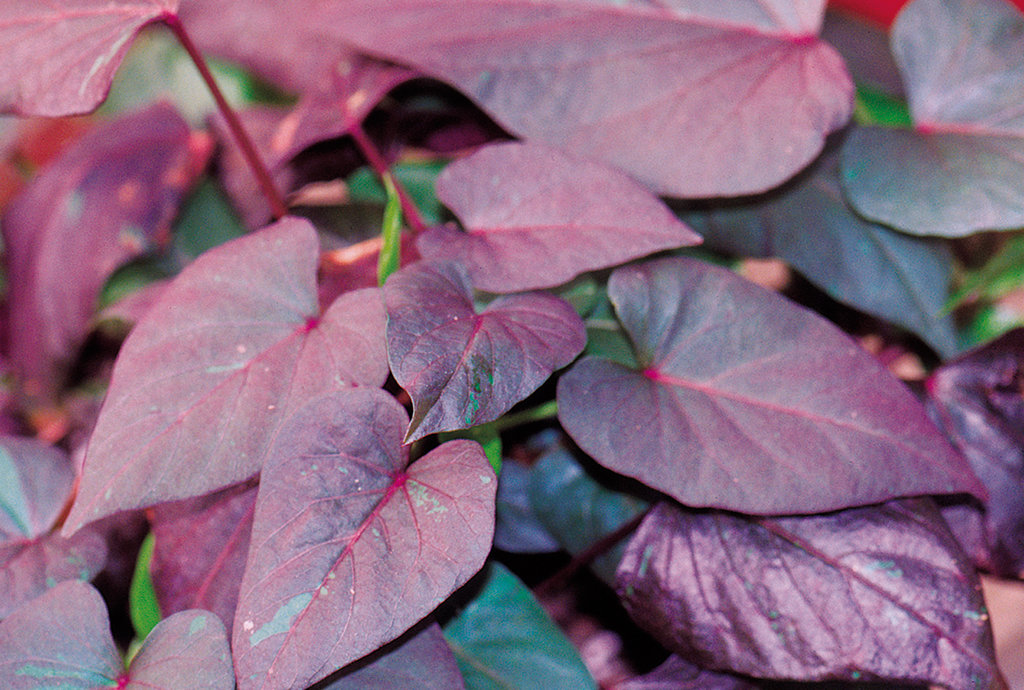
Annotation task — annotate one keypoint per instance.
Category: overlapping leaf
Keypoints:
(232, 345)
(743, 400)
(977, 400)
(678, 674)
(107, 199)
(634, 85)
(350, 547)
(423, 660)
(881, 593)
(536, 218)
(960, 170)
(517, 528)
(865, 265)
(462, 368)
(62, 639)
(60, 57)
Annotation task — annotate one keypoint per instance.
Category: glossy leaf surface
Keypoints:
(189, 649)
(612, 81)
(108, 198)
(807, 223)
(59, 58)
(743, 400)
(536, 218)
(977, 401)
(960, 170)
(421, 660)
(462, 368)
(350, 548)
(233, 344)
(880, 593)
(504, 639)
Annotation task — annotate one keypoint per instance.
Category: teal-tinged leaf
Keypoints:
(517, 528)
(504, 639)
(142, 604)
(206, 220)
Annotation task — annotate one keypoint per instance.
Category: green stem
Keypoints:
(548, 410)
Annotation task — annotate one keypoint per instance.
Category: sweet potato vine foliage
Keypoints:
(303, 387)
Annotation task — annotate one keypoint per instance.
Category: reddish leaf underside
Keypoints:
(60, 57)
(536, 218)
(880, 593)
(742, 400)
(462, 368)
(107, 199)
(350, 547)
(232, 346)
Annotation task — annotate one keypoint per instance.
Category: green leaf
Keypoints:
(143, 607)
(504, 639)
(206, 221)
(486, 435)
(391, 234)
(874, 107)
(417, 178)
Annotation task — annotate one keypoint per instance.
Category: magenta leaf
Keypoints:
(676, 673)
(189, 649)
(876, 593)
(234, 344)
(108, 198)
(977, 400)
(959, 170)
(536, 218)
(606, 80)
(61, 639)
(745, 401)
(422, 660)
(200, 549)
(350, 547)
(60, 57)
(462, 368)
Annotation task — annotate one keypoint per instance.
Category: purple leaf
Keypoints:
(678, 674)
(200, 551)
(745, 401)
(977, 400)
(423, 661)
(108, 198)
(189, 649)
(232, 346)
(350, 548)
(959, 171)
(881, 593)
(61, 639)
(612, 81)
(462, 368)
(59, 58)
(864, 47)
(536, 218)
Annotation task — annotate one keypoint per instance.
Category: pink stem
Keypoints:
(380, 166)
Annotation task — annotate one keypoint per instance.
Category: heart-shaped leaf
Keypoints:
(877, 593)
(109, 198)
(423, 660)
(233, 344)
(350, 547)
(865, 265)
(618, 82)
(505, 639)
(60, 57)
(462, 368)
(960, 170)
(536, 218)
(189, 649)
(745, 401)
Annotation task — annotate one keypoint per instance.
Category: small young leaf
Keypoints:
(745, 401)
(876, 593)
(536, 218)
(504, 639)
(350, 547)
(142, 604)
(462, 368)
(422, 660)
(390, 255)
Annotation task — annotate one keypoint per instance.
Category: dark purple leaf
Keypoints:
(59, 58)
(977, 399)
(881, 593)
(200, 551)
(232, 346)
(61, 639)
(618, 82)
(186, 650)
(422, 660)
(536, 218)
(107, 199)
(865, 265)
(864, 47)
(678, 674)
(462, 368)
(516, 527)
(745, 401)
(960, 170)
(350, 548)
